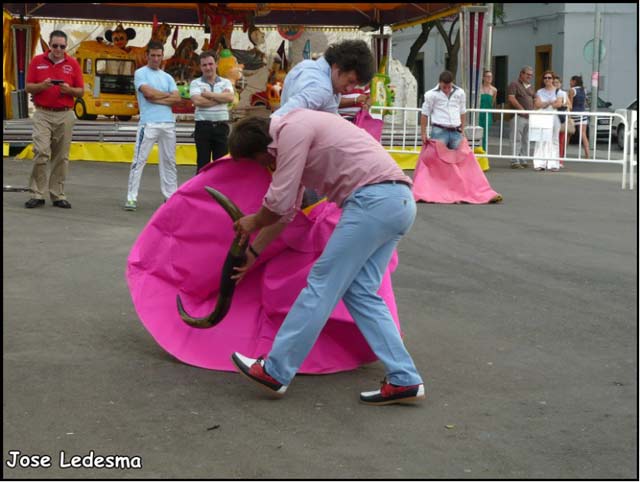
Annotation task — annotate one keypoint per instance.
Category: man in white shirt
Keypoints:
(446, 105)
(211, 95)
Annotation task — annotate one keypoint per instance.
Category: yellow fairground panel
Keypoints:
(406, 160)
(110, 152)
(185, 153)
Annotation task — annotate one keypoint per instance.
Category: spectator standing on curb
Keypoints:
(546, 152)
(488, 95)
(211, 95)
(520, 95)
(54, 79)
(578, 100)
(157, 92)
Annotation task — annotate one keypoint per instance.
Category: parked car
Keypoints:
(618, 126)
(603, 129)
(602, 104)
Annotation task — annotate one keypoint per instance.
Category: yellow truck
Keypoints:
(108, 82)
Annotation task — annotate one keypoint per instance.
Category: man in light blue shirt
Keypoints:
(157, 92)
(319, 84)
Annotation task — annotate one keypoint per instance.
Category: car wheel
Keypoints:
(620, 134)
(80, 110)
(124, 118)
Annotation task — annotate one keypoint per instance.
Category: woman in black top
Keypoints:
(578, 101)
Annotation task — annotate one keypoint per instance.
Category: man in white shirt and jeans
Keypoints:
(446, 105)
(211, 95)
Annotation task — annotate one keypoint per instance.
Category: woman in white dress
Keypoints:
(547, 149)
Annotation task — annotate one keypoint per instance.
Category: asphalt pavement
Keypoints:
(522, 318)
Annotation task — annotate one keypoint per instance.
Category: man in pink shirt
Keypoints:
(321, 151)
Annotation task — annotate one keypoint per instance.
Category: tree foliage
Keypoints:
(451, 40)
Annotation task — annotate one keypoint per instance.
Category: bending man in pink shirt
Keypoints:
(321, 151)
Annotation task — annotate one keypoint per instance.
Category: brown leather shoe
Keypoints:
(62, 203)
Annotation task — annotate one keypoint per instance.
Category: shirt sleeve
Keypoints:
(138, 79)
(426, 105)
(294, 142)
(31, 73)
(227, 85)
(463, 102)
(310, 90)
(78, 81)
(194, 88)
(172, 84)
(287, 218)
(312, 97)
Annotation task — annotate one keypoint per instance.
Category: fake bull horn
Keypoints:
(235, 258)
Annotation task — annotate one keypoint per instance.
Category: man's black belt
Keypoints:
(448, 128)
(391, 182)
(213, 123)
(53, 109)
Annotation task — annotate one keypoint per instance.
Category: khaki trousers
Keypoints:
(52, 133)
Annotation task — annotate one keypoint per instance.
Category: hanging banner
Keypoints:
(472, 51)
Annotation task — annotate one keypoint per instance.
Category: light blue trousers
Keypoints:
(451, 139)
(351, 267)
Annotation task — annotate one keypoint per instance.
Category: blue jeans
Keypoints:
(451, 139)
(351, 267)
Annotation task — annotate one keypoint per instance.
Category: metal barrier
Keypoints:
(630, 135)
(401, 134)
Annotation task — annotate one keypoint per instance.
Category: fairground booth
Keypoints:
(257, 44)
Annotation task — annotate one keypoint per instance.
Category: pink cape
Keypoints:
(182, 249)
(372, 126)
(450, 176)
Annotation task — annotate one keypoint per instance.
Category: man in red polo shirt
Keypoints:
(54, 79)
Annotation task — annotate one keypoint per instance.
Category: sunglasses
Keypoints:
(58, 46)
(547, 78)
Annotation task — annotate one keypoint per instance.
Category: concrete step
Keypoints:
(19, 132)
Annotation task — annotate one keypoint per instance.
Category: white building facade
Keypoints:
(547, 36)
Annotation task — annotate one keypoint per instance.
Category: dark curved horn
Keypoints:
(235, 258)
(226, 203)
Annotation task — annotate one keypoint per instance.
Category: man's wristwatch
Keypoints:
(253, 251)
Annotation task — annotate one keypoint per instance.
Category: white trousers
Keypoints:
(547, 150)
(164, 134)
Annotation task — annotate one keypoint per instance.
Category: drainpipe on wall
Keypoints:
(596, 73)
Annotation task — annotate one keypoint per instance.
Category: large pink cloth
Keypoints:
(372, 126)
(450, 176)
(182, 250)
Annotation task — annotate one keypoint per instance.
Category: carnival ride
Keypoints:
(216, 19)
(107, 72)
